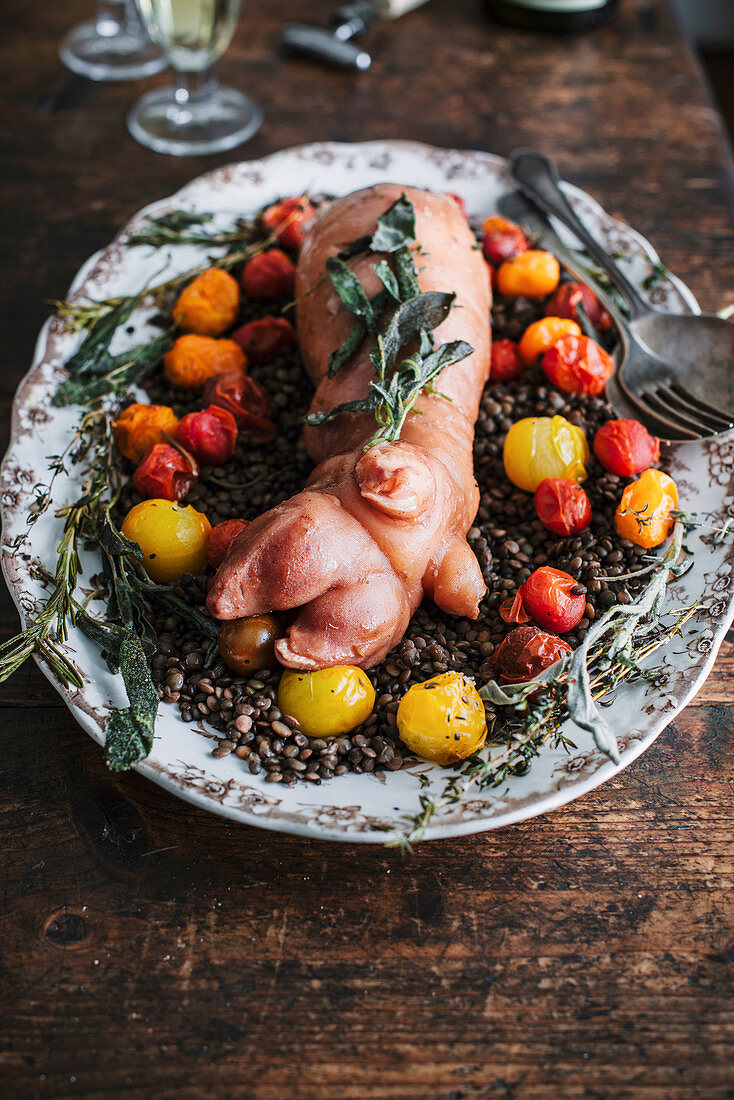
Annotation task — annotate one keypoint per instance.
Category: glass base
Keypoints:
(217, 119)
(121, 55)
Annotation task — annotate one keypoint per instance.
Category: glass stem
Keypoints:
(192, 87)
(110, 17)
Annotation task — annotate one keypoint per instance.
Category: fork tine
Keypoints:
(675, 415)
(719, 416)
(672, 429)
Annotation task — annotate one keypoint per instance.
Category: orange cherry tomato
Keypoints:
(577, 364)
(208, 305)
(562, 506)
(625, 447)
(542, 335)
(526, 652)
(506, 361)
(139, 426)
(548, 597)
(532, 274)
(644, 515)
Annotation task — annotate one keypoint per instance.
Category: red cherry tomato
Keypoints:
(562, 505)
(459, 201)
(506, 361)
(269, 276)
(246, 400)
(526, 652)
(569, 296)
(576, 364)
(220, 538)
(265, 339)
(288, 219)
(547, 598)
(503, 239)
(512, 610)
(165, 473)
(210, 435)
(625, 447)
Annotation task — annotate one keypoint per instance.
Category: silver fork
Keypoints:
(675, 370)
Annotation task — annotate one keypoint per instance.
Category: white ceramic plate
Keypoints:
(355, 807)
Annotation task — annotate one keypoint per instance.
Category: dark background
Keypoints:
(148, 949)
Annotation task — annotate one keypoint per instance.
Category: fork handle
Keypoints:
(537, 177)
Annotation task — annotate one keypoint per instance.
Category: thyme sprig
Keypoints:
(177, 227)
(612, 652)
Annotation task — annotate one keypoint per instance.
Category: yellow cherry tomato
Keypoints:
(171, 536)
(544, 446)
(443, 719)
(328, 702)
(542, 335)
(530, 274)
(644, 513)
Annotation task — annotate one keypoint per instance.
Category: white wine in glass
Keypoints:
(196, 115)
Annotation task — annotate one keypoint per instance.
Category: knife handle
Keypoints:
(301, 38)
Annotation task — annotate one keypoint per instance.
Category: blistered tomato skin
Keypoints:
(506, 361)
(248, 645)
(540, 447)
(644, 515)
(210, 435)
(166, 473)
(288, 220)
(502, 239)
(548, 597)
(171, 536)
(626, 448)
(562, 506)
(246, 400)
(443, 719)
(526, 652)
(542, 335)
(570, 296)
(532, 274)
(269, 276)
(139, 426)
(328, 702)
(577, 364)
(264, 340)
(220, 538)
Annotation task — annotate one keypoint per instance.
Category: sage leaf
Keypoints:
(425, 312)
(129, 732)
(388, 280)
(395, 228)
(351, 292)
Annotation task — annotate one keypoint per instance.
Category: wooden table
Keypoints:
(150, 950)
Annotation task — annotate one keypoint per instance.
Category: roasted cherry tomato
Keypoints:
(625, 447)
(562, 506)
(443, 719)
(512, 610)
(538, 447)
(138, 427)
(248, 645)
(459, 201)
(269, 276)
(532, 274)
(644, 515)
(210, 435)
(193, 360)
(569, 296)
(209, 304)
(577, 364)
(548, 597)
(328, 702)
(171, 536)
(246, 400)
(526, 652)
(542, 335)
(288, 219)
(506, 361)
(165, 473)
(502, 240)
(265, 339)
(221, 537)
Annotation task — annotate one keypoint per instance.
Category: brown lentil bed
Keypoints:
(242, 716)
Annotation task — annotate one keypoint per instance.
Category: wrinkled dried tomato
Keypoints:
(165, 474)
(569, 296)
(512, 610)
(210, 435)
(265, 339)
(577, 364)
(502, 240)
(269, 276)
(526, 652)
(506, 361)
(246, 400)
(625, 447)
(562, 506)
(548, 597)
(220, 538)
(288, 219)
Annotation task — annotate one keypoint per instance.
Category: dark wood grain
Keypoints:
(151, 950)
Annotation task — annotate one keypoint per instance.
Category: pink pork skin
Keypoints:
(374, 531)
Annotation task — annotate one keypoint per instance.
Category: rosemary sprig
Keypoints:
(176, 227)
(612, 653)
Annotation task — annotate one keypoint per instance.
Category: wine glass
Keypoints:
(195, 115)
(112, 46)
